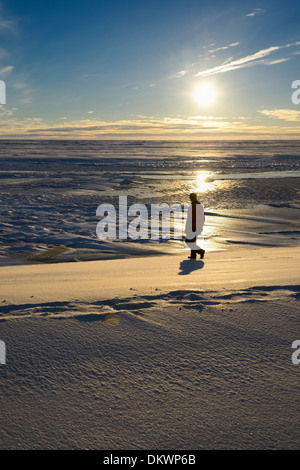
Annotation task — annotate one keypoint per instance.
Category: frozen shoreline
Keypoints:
(50, 192)
(65, 241)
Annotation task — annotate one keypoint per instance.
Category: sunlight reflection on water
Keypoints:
(202, 175)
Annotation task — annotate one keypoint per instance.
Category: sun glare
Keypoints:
(205, 94)
(203, 181)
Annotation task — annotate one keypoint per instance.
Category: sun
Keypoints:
(205, 94)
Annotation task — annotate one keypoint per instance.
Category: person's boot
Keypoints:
(193, 254)
(201, 253)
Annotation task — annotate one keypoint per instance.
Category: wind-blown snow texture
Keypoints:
(188, 355)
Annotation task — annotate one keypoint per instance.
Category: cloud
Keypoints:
(4, 111)
(179, 74)
(291, 115)
(249, 60)
(240, 63)
(181, 127)
(7, 25)
(182, 73)
(277, 61)
(224, 47)
(256, 11)
(92, 128)
(4, 71)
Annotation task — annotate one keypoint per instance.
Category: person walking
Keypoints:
(194, 226)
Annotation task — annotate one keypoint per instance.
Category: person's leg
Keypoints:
(191, 244)
(201, 252)
(193, 254)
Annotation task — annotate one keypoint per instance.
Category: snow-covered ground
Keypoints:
(159, 352)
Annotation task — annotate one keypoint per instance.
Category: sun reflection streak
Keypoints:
(203, 182)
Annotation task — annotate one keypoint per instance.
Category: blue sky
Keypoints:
(131, 69)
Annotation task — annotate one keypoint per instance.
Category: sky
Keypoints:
(157, 69)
